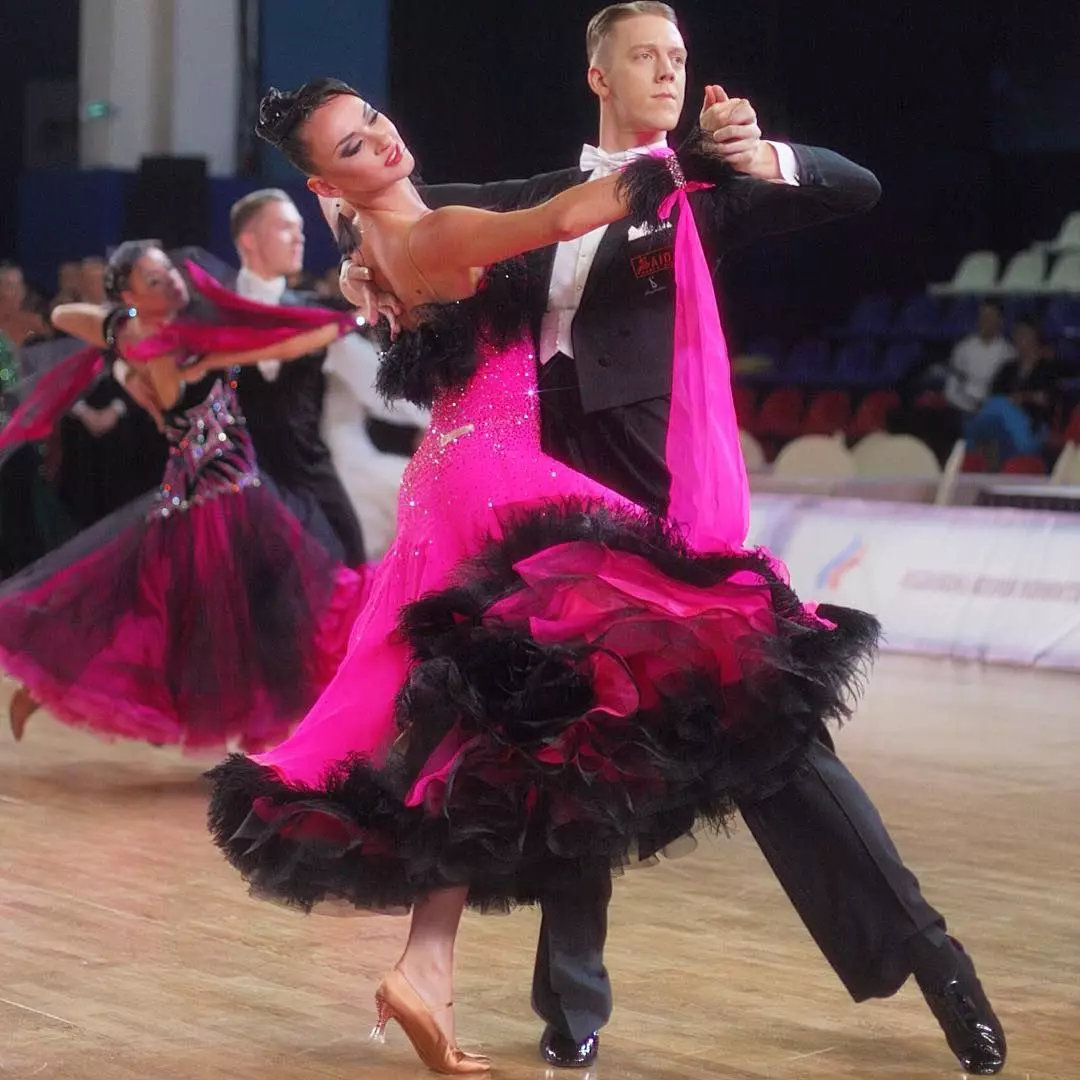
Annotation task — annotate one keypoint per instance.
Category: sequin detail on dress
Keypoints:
(199, 614)
(210, 451)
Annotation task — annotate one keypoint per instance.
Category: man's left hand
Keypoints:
(733, 125)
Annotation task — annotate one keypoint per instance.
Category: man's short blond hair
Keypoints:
(244, 211)
(603, 23)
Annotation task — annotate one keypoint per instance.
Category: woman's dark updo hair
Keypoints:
(121, 263)
(282, 116)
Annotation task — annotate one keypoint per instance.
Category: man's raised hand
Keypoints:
(736, 136)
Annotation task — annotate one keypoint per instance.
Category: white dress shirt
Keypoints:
(972, 369)
(265, 291)
(574, 258)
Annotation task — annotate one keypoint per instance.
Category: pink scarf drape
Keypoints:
(244, 324)
(710, 492)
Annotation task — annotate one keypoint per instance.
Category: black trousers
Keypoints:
(622, 448)
(21, 542)
(334, 500)
(314, 493)
(820, 833)
(832, 854)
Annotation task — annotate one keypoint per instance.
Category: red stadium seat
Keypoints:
(745, 407)
(974, 462)
(1025, 465)
(872, 413)
(1072, 428)
(781, 414)
(828, 413)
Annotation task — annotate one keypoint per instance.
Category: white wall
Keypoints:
(169, 70)
(206, 81)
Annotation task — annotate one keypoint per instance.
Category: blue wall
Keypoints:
(344, 39)
(65, 214)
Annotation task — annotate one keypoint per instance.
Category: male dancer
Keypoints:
(603, 314)
(283, 403)
(326, 402)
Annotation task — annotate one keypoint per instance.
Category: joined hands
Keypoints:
(733, 125)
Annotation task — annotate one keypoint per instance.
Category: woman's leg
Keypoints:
(428, 960)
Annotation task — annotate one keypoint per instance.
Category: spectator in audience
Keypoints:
(968, 377)
(17, 324)
(976, 360)
(32, 519)
(92, 280)
(1015, 418)
(69, 284)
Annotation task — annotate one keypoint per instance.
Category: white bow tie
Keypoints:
(602, 163)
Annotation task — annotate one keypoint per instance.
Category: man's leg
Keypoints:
(830, 850)
(834, 857)
(334, 502)
(571, 990)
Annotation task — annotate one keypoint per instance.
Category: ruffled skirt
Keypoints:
(584, 689)
(221, 622)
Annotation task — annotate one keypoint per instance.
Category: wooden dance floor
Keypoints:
(130, 951)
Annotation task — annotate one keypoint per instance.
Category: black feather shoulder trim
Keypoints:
(441, 352)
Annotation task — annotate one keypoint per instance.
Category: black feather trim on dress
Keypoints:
(546, 774)
(644, 184)
(441, 352)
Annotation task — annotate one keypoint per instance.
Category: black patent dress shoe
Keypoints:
(958, 1001)
(566, 1053)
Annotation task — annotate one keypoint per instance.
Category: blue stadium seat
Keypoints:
(869, 318)
(857, 364)
(918, 318)
(899, 360)
(1062, 318)
(809, 362)
(959, 320)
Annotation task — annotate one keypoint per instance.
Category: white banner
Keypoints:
(989, 584)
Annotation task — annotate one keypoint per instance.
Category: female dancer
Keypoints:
(542, 671)
(203, 612)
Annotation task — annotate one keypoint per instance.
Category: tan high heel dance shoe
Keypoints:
(395, 999)
(22, 707)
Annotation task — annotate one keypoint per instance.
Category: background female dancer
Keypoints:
(580, 681)
(203, 612)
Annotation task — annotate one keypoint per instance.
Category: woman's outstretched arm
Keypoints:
(84, 321)
(291, 348)
(465, 237)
